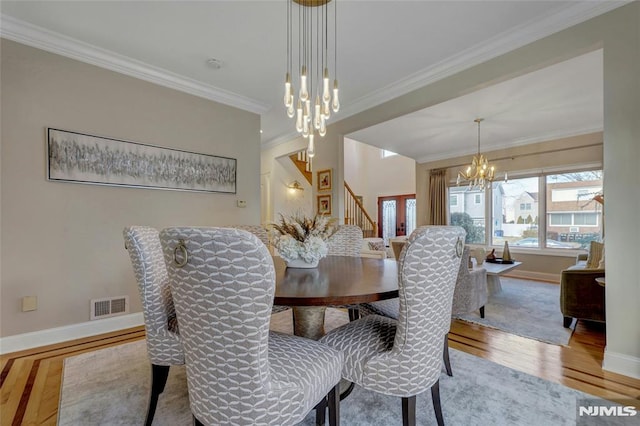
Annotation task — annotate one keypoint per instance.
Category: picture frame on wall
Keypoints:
(80, 158)
(324, 180)
(324, 204)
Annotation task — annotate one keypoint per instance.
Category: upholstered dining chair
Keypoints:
(164, 346)
(346, 241)
(470, 294)
(402, 357)
(257, 230)
(238, 372)
(262, 234)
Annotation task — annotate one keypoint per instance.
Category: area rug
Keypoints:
(111, 386)
(526, 308)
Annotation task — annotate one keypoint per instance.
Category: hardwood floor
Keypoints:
(30, 380)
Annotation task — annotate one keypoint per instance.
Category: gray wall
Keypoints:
(63, 242)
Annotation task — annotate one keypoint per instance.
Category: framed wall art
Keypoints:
(81, 158)
(324, 204)
(324, 180)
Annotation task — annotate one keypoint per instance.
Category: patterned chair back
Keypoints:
(427, 271)
(347, 241)
(257, 230)
(143, 245)
(223, 295)
(471, 287)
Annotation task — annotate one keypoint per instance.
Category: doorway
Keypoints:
(396, 216)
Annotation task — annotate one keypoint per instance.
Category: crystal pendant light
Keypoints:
(316, 99)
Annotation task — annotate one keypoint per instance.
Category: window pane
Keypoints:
(587, 219)
(515, 212)
(410, 214)
(468, 214)
(453, 200)
(560, 219)
(389, 220)
(574, 218)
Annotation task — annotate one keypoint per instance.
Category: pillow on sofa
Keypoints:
(596, 252)
(377, 245)
(601, 263)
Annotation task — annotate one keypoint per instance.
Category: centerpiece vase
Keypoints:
(301, 264)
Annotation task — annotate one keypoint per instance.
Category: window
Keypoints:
(543, 211)
(467, 214)
(574, 218)
(387, 153)
(559, 219)
(453, 200)
(586, 219)
(514, 218)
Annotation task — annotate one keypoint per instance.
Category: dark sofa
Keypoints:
(581, 296)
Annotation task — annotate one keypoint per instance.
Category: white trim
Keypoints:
(536, 276)
(621, 364)
(279, 140)
(41, 38)
(50, 336)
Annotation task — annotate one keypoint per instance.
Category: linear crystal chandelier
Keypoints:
(479, 174)
(308, 22)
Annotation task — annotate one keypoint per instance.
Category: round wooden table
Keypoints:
(338, 280)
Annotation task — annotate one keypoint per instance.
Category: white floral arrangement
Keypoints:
(300, 237)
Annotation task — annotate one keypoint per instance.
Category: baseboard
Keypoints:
(536, 276)
(51, 336)
(621, 364)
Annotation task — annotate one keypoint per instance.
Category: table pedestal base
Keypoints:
(308, 321)
(493, 284)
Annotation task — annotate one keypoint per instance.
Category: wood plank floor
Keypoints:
(30, 380)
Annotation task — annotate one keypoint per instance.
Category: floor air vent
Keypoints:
(109, 307)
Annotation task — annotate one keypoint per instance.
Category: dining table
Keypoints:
(336, 281)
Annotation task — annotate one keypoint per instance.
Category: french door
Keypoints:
(396, 216)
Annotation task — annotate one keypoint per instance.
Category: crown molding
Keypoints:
(279, 140)
(498, 45)
(41, 38)
(512, 144)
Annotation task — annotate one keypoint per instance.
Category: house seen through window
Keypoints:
(554, 211)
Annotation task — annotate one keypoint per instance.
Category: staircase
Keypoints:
(303, 163)
(355, 214)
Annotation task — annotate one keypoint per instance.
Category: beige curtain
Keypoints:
(438, 197)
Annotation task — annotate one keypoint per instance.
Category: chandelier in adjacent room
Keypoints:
(308, 27)
(479, 174)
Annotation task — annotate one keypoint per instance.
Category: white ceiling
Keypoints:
(565, 99)
(386, 48)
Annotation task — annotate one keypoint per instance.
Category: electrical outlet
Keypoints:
(242, 203)
(29, 303)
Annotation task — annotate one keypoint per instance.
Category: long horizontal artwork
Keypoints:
(80, 158)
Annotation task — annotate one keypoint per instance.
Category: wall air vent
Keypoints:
(109, 307)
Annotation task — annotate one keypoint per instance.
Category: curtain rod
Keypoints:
(513, 157)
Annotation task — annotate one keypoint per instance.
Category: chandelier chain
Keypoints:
(312, 105)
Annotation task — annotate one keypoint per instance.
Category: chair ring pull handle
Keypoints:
(184, 254)
(459, 247)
